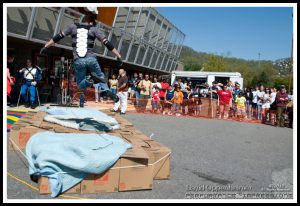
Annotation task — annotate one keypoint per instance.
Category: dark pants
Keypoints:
(280, 116)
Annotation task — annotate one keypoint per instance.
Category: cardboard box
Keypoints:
(135, 174)
(21, 136)
(44, 187)
(159, 159)
(105, 182)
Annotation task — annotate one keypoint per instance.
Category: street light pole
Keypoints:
(291, 67)
(259, 59)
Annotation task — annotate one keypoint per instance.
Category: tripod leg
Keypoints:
(37, 94)
(19, 97)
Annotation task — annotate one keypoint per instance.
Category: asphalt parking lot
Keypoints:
(207, 154)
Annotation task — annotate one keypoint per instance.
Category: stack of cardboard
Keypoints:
(146, 161)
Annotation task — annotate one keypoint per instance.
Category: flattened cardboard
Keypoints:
(44, 187)
(21, 136)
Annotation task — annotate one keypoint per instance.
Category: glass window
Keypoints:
(125, 45)
(132, 19)
(148, 56)
(133, 51)
(18, 19)
(99, 47)
(141, 54)
(149, 27)
(121, 17)
(163, 67)
(45, 23)
(161, 36)
(115, 40)
(156, 30)
(69, 18)
(155, 56)
(142, 23)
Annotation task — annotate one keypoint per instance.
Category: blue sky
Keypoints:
(235, 31)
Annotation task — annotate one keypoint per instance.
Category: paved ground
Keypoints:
(205, 154)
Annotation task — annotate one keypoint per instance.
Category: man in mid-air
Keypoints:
(87, 68)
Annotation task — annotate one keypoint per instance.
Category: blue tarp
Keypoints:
(66, 159)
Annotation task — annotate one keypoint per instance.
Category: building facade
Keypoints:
(147, 41)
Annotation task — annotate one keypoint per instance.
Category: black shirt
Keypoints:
(123, 80)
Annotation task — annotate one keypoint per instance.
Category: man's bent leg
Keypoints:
(81, 72)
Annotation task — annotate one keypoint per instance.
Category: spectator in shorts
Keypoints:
(236, 92)
(168, 100)
(155, 100)
(266, 104)
(177, 101)
(225, 98)
(146, 87)
(164, 87)
(240, 106)
(260, 96)
(196, 103)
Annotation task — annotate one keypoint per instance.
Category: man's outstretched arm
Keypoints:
(52, 41)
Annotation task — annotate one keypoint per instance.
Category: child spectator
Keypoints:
(240, 106)
(177, 101)
(168, 103)
(155, 100)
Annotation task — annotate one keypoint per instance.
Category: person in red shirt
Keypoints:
(162, 92)
(225, 97)
(155, 100)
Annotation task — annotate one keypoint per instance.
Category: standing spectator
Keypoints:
(168, 100)
(281, 101)
(249, 98)
(254, 101)
(240, 101)
(155, 84)
(151, 78)
(260, 96)
(236, 91)
(196, 103)
(177, 101)
(11, 78)
(155, 100)
(133, 83)
(273, 97)
(122, 93)
(225, 98)
(146, 88)
(213, 91)
(204, 91)
(97, 92)
(230, 86)
(113, 82)
(164, 87)
(266, 104)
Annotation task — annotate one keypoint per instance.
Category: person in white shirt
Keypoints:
(31, 74)
(266, 103)
(260, 96)
(155, 84)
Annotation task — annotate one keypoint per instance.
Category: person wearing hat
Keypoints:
(281, 101)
